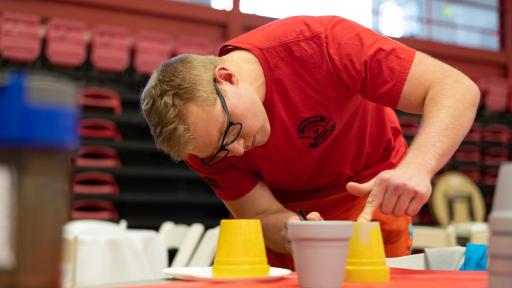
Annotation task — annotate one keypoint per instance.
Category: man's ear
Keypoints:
(223, 74)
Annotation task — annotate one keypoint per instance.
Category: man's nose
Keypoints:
(236, 148)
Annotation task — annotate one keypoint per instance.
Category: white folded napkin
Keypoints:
(448, 258)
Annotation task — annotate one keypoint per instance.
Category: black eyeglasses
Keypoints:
(231, 133)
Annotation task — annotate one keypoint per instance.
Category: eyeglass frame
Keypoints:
(231, 123)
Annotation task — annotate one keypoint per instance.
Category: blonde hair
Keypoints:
(175, 83)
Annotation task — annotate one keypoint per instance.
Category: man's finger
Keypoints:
(402, 204)
(390, 198)
(358, 189)
(314, 216)
(286, 240)
(367, 214)
(415, 206)
(374, 200)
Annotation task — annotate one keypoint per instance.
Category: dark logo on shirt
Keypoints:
(315, 130)
(212, 182)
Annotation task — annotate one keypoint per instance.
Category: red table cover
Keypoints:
(400, 278)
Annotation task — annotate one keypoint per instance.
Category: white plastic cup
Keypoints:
(320, 250)
(500, 222)
(500, 219)
(503, 195)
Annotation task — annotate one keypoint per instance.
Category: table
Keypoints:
(400, 278)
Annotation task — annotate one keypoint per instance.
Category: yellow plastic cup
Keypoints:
(366, 260)
(240, 250)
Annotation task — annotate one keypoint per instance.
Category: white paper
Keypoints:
(7, 209)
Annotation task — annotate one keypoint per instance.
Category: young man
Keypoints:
(298, 114)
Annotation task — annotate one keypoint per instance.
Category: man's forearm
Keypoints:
(449, 111)
(261, 204)
(273, 225)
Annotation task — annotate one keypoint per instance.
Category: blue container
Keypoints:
(38, 111)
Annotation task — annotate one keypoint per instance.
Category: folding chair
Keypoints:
(206, 249)
(183, 238)
(456, 200)
(188, 245)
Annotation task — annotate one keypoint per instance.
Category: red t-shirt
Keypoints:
(330, 87)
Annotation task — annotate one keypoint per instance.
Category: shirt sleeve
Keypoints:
(227, 180)
(366, 62)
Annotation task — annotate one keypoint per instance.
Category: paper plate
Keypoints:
(205, 273)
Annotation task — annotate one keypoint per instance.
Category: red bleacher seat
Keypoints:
(472, 171)
(510, 98)
(468, 153)
(489, 176)
(474, 134)
(65, 42)
(94, 183)
(97, 156)
(495, 155)
(110, 48)
(194, 45)
(497, 95)
(496, 133)
(151, 49)
(99, 128)
(20, 37)
(101, 98)
(94, 209)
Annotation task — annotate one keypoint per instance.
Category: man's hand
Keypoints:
(313, 216)
(397, 192)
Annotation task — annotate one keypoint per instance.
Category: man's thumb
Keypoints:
(358, 189)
